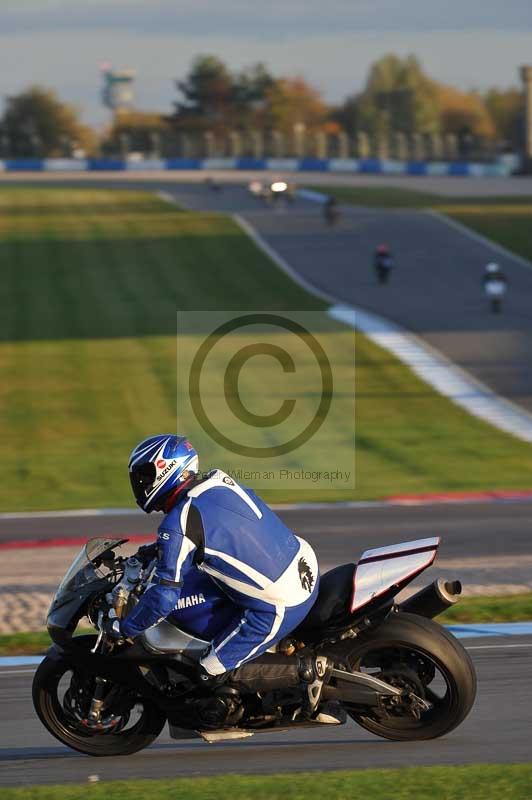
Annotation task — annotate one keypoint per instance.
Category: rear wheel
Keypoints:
(419, 656)
(62, 697)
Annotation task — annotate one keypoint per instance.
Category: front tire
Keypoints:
(416, 654)
(55, 713)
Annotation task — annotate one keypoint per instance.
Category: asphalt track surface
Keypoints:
(483, 544)
(496, 730)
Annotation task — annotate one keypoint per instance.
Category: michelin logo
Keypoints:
(191, 600)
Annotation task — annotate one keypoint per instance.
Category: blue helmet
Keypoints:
(159, 465)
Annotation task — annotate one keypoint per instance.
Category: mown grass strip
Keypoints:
(507, 608)
(476, 782)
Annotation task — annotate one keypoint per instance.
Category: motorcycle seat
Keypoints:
(334, 597)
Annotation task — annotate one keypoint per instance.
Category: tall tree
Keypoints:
(292, 101)
(207, 92)
(37, 123)
(251, 85)
(464, 113)
(398, 96)
(506, 108)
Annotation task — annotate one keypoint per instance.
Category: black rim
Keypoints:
(68, 699)
(420, 675)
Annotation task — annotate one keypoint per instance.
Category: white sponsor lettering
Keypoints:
(191, 600)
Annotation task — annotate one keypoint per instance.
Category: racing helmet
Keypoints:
(382, 249)
(159, 466)
(492, 268)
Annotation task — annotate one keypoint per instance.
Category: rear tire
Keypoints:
(51, 712)
(417, 640)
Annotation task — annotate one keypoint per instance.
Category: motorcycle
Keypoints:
(383, 268)
(331, 214)
(390, 667)
(495, 291)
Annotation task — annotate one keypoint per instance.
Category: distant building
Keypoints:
(118, 91)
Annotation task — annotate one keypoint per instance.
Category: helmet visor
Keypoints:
(142, 478)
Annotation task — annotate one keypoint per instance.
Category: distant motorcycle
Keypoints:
(331, 212)
(384, 265)
(495, 291)
(389, 667)
(495, 285)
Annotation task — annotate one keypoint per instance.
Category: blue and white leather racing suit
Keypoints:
(231, 535)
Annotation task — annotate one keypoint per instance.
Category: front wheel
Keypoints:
(419, 656)
(62, 697)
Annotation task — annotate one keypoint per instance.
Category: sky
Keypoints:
(61, 43)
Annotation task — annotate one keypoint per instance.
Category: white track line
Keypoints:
(435, 369)
(77, 512)
(281, 263)
(168, 198)
(17, 672)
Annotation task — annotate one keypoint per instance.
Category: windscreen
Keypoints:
(86, 566)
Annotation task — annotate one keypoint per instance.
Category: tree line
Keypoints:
(398, 97)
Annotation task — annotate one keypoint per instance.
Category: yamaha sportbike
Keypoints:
(390, 667)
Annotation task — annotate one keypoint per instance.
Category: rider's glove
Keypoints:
(147, 553)
(111, 627)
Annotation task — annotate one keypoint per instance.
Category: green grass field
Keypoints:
(91, 281)
(476, 782)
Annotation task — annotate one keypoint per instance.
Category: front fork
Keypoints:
(102, 646)
(97, 702)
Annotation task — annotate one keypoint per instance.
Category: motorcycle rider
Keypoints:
(225, 531)
(493, 272)
(383, 262)
(330, 210)
(495, 285)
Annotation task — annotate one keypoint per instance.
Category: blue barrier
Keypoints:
(372, 166)
(24, 165)
(183, 163)
(459, 169)
(107, 165)
(416, 168)
(313, 165)
(251, 163)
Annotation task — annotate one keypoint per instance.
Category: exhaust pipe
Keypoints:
(433, 599)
